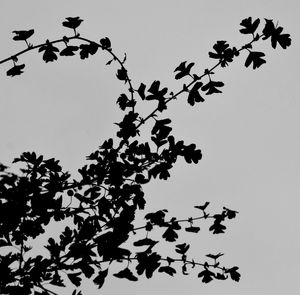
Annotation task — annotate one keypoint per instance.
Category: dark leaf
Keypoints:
(74, 278)
(192, 229)
(15, 70)
(219, 48)
(194, 95)
(88, 49)
(161, 131)
(154, 88)
(122, 74)
(170, 260)
(4, 242)
(220, 276)
(147, 263)
(170, 235)
(215, 256)
(2, 167)
(269, 29)
(161, 104)
(100, 278)
(69, 51)
(234, 274)
(249, 26)
(141, 91)
(123, 101)
(255, 58)
(23, 35)
(141, 179)
(127, 126)
(230, 213)
(105, 43)
(156, 93)
(207, 276)
(66, 237)
(217, 228)
(160, 125)
(212, 87)
(184, 269)
(202, 207)
(191, 154)
(57, 280)
(182, 248)
(127, 274)
(223, 53)
(72, 22)
(183, 70)
(110, 61)
(167, 269)
(145, 242)
(284, 40)
(157, 218)
(87, 269)
(49, 52)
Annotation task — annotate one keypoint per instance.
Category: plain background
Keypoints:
(249, 135)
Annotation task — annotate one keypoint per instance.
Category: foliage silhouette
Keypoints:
(102, 205)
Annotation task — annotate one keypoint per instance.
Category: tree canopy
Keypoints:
(100, 207)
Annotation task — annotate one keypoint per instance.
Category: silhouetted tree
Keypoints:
(102, 204)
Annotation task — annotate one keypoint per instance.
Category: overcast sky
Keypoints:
(249, 135)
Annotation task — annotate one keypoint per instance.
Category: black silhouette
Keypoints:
(102, 204)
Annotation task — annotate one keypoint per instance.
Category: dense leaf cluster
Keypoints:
(101, 206)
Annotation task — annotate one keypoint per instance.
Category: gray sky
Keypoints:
(249, 135)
